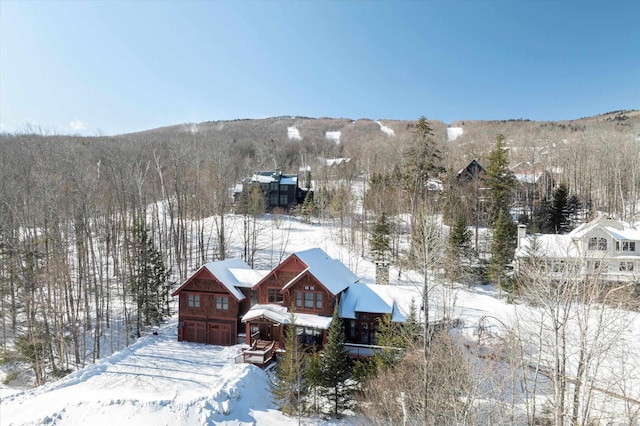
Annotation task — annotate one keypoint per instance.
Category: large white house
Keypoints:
(605, 247)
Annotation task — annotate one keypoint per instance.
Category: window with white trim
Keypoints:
(626, 266)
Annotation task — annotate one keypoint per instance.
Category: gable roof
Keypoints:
(331, 273)
(617, 229)
(231, 273)
(565, 246)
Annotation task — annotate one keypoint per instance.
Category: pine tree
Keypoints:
(149, 279)
(336, 368)
(289, 387)
(423, 162)
(500, 179)
(459, 247)
(502, 249)
(313, 376)
(557, 216)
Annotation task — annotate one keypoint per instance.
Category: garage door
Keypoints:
(194, 331)
(220, 334)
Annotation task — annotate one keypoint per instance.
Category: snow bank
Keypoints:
(158, 380)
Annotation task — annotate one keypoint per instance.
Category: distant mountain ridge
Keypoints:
(325, 129)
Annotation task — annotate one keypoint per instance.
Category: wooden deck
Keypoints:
(261, 353)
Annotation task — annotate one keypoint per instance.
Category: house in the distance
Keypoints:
(605, 248)
(221, 296)
(279, 190)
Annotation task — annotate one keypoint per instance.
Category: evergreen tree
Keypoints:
(500, 179)
(379, 241)
(410, 332)
(502, 248)
(336, 368)
(289, 387)
(391, 340)
(313, 376)
(149, 279)
(558, 215)
(459, 247)
(423, 162)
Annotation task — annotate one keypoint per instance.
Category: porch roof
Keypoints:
(280, 315)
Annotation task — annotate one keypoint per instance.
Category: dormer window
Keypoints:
(597, 243)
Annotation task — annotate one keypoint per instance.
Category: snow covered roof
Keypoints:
(617, 229)
(280, 315)
(247, 278)
(528, 177)
(331, 273)
(222, 271)
(232, 274)
(361, 298)
(565, 246)
(380, 299)
(289, 180)
(549, 245)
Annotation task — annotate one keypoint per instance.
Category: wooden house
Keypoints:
(212, 300)
(226, 303)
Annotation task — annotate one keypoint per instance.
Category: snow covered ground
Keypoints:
(158, 380)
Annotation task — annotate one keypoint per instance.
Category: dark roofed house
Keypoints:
(473, 170)
(280, 190)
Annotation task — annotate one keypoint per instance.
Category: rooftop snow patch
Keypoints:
(453, 133)
(293, 133)
(280, 315)
(333, 136)
(388, 130)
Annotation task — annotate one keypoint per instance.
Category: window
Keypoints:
(284, 199)
(273, 200)
(597, 266)
(274, 186)
(597, 243)
(274, 295)
(628, 246)
(626, 266)
(364, 332)
(222, 303)
(193, 301)
(308, 300)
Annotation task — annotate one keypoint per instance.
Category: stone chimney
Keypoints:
(522, 233)
(382, 273)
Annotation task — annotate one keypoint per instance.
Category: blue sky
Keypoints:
(107, 67)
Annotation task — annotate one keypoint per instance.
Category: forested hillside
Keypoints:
(94, 231)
